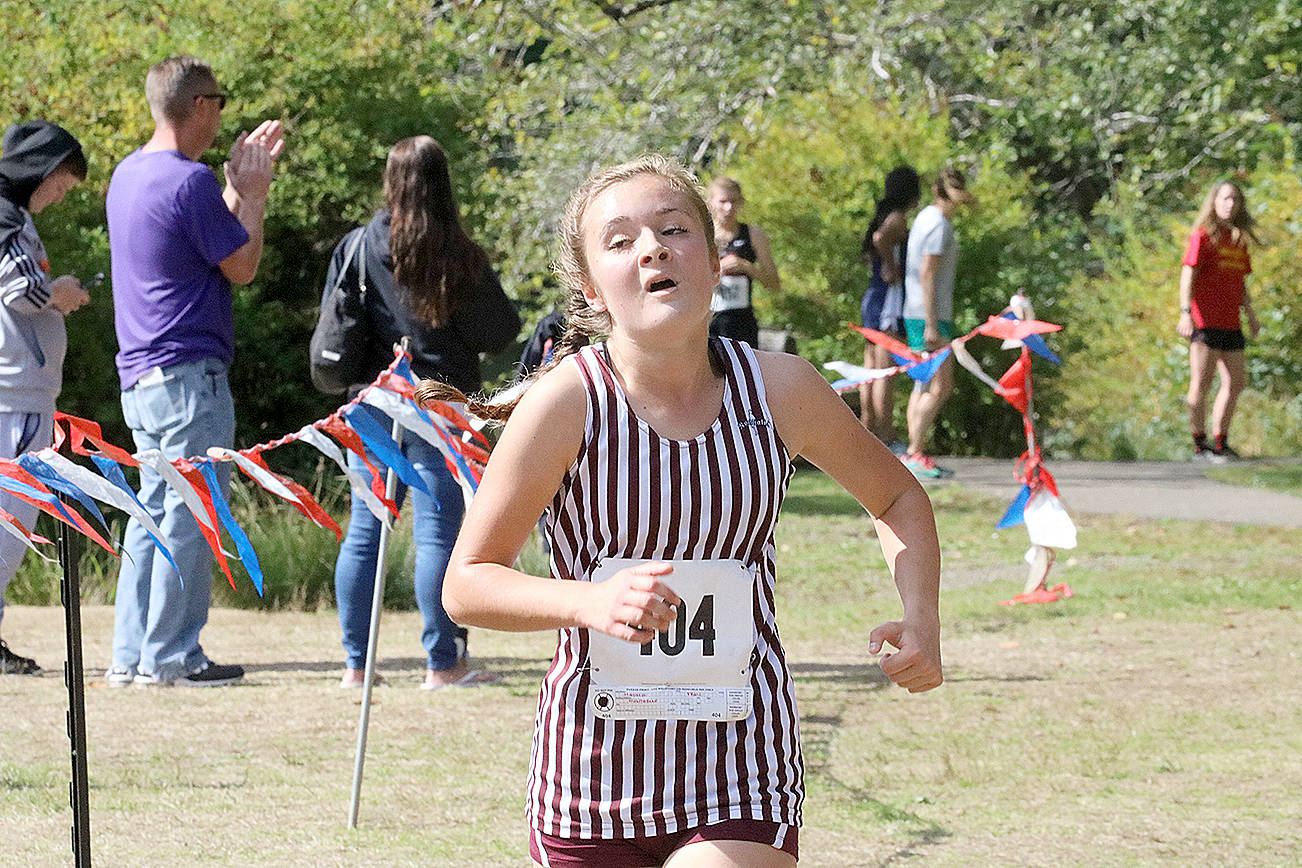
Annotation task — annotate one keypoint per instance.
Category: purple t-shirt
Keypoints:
(168, 229)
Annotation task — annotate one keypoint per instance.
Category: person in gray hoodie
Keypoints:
(40, 163)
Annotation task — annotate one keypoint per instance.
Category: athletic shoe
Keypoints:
(120, 676)
(925, 467)
(211, 675)
(1225, 453)
(16, 664)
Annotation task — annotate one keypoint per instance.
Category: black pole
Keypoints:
(79, 789)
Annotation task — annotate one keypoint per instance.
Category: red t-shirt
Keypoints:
(1218, 281)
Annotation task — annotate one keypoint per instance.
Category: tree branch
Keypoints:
(618, 13)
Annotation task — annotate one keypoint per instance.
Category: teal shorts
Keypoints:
(915, 327)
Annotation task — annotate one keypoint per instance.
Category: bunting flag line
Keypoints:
(282, 486)
(1037, 504)
(40, 477)
(361, 487)
(53, 481)
(113, 491)
(12, 526)
(15, 479)
(385, 448)
(335, 426)
(422, 425)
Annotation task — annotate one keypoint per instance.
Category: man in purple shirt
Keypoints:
(178, 241)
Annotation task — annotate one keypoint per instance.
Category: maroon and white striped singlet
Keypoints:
(634, 494)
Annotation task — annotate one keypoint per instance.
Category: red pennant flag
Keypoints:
(306, 503)
(16, 471)
(1014, 329)
(83, 430)
(337, 428)
(887, 342)
(1013, 383)
(209, 528)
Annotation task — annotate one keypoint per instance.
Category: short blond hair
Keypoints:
(172, 85)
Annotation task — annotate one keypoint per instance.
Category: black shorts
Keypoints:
(738, 323)
(1225, 340)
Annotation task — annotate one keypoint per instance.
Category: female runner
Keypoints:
(667, 731)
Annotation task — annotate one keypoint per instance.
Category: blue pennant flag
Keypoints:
(223, 509)
(110, 470)
(924, 371)
(17, 487)
(1016, 510)
(1038, 345)
(379, 442)
(47, 474)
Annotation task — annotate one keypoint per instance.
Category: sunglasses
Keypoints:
(220, 97)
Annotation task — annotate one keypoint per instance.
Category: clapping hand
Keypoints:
(249, 167)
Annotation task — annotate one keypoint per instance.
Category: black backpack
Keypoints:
(341, 341)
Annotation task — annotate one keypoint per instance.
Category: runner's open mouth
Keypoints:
(662, 284)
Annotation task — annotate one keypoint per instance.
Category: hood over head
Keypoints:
(31, 152)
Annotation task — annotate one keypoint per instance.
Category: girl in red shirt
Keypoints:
(1212, 291)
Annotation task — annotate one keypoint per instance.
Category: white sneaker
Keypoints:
(119, 676)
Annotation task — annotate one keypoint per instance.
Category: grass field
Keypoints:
(1153, 719)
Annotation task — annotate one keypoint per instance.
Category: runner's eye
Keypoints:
(618, 242)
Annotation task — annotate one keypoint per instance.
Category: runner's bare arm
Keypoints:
(527, 466)
(765, 270)
(1185, 325)
(893, 230)
(813, 421)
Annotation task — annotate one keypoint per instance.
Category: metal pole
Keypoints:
(79, 789)
(377, 604)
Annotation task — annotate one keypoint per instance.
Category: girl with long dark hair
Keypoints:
(428, 281)
(882, 307)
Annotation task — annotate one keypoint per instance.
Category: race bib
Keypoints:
(732, 293)
(698, 669)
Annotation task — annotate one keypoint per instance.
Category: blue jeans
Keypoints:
(158, 618)
(435, 523)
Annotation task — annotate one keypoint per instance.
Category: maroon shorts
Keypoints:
(554, 852)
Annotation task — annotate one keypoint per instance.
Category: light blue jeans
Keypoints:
(435, 524)
(158, 616)
(19, 433)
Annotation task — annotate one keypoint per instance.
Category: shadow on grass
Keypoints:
(818, 732)
(867, 675)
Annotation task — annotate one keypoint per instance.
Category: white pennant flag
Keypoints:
(160, 463)
(7, 524)
(99, 488)
(361, 486)
(268, 480)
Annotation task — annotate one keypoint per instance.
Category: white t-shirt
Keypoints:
(931, 234)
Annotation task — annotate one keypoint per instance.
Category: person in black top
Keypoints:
(426, 280)
(744, 258)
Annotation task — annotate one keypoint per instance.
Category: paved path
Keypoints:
(1151, 489)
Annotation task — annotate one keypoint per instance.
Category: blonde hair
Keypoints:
(173, 83)
(724, 184)
(1241, 223)
(583, 323)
